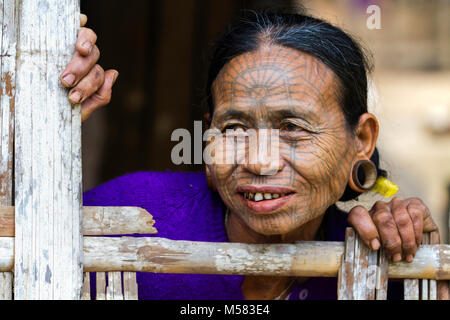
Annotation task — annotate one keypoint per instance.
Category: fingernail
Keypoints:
(69, 79)
(75, 97)
(397, 257)
(87, 45)
(410, 258)
(375, 244)
(116, 74)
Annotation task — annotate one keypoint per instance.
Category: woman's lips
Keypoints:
(264, 199)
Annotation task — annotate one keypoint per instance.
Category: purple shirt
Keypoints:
(185, 209)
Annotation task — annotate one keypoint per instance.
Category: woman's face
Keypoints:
(281, 88)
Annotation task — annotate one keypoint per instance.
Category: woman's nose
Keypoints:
(270, 168)
(264, 156)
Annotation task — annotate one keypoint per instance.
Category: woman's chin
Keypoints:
(274, 229)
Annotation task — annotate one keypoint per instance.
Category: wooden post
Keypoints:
(48, 197)
(7, 96)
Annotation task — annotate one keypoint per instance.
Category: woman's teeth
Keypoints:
(262, 196)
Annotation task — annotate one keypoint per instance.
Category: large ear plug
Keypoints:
(364, 175)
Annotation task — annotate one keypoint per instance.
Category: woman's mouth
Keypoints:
(264, 199)
(262, 196)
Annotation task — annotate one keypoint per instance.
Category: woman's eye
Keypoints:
(233, 127)
(290, 127)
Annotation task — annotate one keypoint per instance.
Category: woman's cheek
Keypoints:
(323, 163)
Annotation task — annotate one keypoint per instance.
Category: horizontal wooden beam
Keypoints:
(97, 221)
(302, 259)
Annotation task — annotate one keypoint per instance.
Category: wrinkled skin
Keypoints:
(280, 88)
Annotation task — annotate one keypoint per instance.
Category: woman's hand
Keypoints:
(90, 84)
(398, 225)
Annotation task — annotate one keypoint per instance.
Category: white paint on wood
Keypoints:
(100, 279)
(97, 221)
(114, 288)
(130, 287)
(310, 258)
(8, 36)
(411, 289)
(86, 289)
(346, 274)
(117, 220)
(6, 288)
(48, 242)
(363, 274)
(382, 276)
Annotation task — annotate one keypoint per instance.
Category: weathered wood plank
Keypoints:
(114, 288)
(411, 289)
(130, 287)
(97, 221)
(100, 278)
(361, 287)
(433, 290)
(382, 276)
(48, 241)
(346, 273)
(86, 289)
(363, 274)
(424, 282)
(6, 289)
(8, 38)
(424, 289)
(308, 259)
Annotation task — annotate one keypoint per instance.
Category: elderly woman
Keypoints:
(306, 79)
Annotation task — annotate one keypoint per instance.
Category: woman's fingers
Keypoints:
(88, 85)
(85, 57)
(416, 205)
(85, 41)
(83, 20)
(79, 67)
(405, 228)
(361, 220)
(387, 228)
(101, 97)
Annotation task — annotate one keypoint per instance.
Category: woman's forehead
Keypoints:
(274, 76)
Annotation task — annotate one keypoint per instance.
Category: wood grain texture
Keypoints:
(170, 256)
(100, 278)
(48, 198)
(130, 287)
(8, 38)
(423, 289)
(86, 289)
(346, 274)
(382, 276)
(309, 258)
(411, 289)
(114, 288)
(363, 274)
(97, 221)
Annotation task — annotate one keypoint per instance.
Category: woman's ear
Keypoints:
(366, 135)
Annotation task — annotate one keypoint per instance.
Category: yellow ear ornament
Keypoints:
(385, 187)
